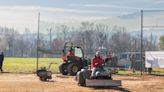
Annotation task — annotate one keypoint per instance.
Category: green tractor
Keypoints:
(73, 59)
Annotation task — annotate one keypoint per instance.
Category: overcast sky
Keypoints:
(23, 13)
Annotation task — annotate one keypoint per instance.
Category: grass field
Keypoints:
(28, 65)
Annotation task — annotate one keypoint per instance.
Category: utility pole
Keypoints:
(146, 26)
(38, 42)
(141, 66)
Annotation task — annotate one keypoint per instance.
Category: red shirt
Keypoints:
(71, 54)
(96, 61)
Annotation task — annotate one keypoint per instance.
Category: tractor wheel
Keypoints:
(43, 79)
(80, 78)
(73, 69)
(63, 68)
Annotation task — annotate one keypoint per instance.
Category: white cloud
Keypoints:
(47, 9)
(158, 1)
(105, 6)
(20, 17)
(124, 8)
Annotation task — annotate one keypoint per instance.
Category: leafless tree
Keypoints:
(101, 34)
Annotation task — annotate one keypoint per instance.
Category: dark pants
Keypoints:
(149, 70)
(133, 65)
(1, 61)
(1, 64)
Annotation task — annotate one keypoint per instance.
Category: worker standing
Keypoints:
(1, 61)
(96, 62)
(133, 59)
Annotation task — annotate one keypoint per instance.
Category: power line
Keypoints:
(153, 10)
(153, 26)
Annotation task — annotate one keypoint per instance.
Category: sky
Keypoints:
(19, 14)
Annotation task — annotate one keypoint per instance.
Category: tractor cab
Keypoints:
(78, 52)
(71, 52)
(73, 59)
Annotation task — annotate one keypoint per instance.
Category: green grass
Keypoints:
(159, 71)
(123, 72)
(28, 65)
(156, 71)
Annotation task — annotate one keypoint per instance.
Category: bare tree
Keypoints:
(64, 30)
(120, 41)
(88, 35)
(101, 34)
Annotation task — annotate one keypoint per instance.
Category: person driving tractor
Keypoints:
(71, 55)
(96, 62)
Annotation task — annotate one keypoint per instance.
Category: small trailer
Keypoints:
(44, 73)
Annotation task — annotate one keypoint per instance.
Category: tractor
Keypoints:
(72, 63)
(102, 78)
(109, 59)
(107, 55)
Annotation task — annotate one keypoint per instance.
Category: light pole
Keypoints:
(141, 40)
(146, 26)
(38, 42)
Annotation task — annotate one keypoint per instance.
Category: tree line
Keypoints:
(90, 36)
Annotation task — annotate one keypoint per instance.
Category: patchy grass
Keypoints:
(28, 65)
(126, 72)
(155, 71)
(159, 71)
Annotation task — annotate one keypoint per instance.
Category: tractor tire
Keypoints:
(73, 69)
(43, 79)
(63, 68)
(80, 78)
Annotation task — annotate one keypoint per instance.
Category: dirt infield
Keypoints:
(31, 83)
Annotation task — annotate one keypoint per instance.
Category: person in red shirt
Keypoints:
(71, 55)
(96, 62)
